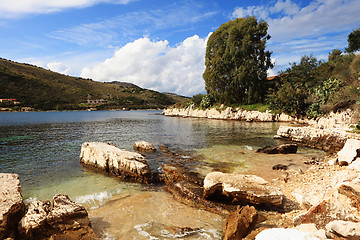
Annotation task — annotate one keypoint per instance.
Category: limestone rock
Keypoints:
(11, 204)
(345, 229)
(64, 220)
(241, 189)
(342, 204)
(282, 149)
(350, 151)
(284, 234)
(240, 222)
(112, 160)
(144, 146)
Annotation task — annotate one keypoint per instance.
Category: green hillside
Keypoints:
(46, 90)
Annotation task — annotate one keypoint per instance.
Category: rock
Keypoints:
(176, 173)
(284, 234)
(11, 205)
(350, 151)
(240, 222)
(280, 167)
(242, 189)
(333, 162)
(312, 229)
(64, 220)
(144, 146)
(282, 149)
(342, 204)
(355, 165)
(326, 139)
(112, 160)
(345, 229)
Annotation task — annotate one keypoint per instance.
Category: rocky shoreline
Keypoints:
(320, 203)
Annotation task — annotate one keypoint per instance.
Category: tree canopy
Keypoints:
(354, 41)
(237, 62)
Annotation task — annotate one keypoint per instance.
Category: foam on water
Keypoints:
(96, 200)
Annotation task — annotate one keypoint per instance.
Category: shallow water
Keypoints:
(44, 147)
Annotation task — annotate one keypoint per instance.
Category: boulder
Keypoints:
(284, 234)
(342, 204)
(63, 220)
(240, 223)
(282, 149)
(143, 146)
(187, 188)
(350, 151)
(241, 189)
(11, 205)
(280, 167)
(112, 160)
(345, 229)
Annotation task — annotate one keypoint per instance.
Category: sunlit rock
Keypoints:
(241, 189)
(144, 146)
(112, 160)
(349, 152)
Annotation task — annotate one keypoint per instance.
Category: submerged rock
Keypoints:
(282, 149)
(112, 160)
(144, 146)
(349, 152)
(240, 222)
(241, 189)
(63, 220)
(11, 205)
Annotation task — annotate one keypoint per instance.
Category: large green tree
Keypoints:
(354, 41)
(237, 62)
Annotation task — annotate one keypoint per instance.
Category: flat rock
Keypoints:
(239, 223)
(242, 189)
(11, 204)
(64, 219)
(112, 160)
(349, 152)
(143, 146)
(345, 229)
(281, 149)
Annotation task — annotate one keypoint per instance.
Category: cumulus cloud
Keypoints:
(9, 9)
(58, 67)
(156, 65)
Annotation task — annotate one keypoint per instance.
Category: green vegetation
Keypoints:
(354, 41)
(46, 90)
(236, 62)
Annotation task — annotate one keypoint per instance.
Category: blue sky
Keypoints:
(161, 44)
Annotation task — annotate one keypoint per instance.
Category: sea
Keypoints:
(44, 148)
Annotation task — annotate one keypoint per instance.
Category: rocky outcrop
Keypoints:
(63, 220)
(349, 152)
(342, 204)
(282, 149)
(11, 205)
(241, 189)
(240, 222)
(114, 161)
(325, 139)
(143, 146)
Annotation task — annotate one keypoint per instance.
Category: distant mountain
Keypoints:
(46, 90)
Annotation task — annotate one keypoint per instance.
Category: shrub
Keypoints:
(207, 101)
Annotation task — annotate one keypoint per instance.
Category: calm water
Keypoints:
(44, 147)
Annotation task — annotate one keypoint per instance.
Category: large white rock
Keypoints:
(113, 160)
(350, 151)
(346, 229)
(242, 188)
(284, 234)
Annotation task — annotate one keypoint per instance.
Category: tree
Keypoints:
(236, 61)
(353, 41)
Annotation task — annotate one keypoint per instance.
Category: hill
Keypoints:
(46, 90)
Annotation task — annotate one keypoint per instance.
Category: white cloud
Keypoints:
(9, 9)
(258, 11)
(58, 67)
(156, 65)
(287, 7)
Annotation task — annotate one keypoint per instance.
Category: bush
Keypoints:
(207, 101)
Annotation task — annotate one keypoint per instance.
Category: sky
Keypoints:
(160, 44)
